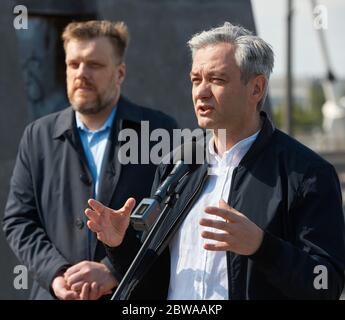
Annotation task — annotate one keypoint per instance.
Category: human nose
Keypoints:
(82, 71)
(202, 90)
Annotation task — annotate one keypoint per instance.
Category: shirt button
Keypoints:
(79, 223)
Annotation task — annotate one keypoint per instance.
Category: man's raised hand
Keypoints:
(109, 225)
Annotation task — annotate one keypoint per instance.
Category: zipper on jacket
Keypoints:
(228, 253)
(168, 236)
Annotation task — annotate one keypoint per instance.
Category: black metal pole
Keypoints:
(144, 258)
(289, 80)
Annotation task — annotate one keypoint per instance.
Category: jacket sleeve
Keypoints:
(311, 266)
(22, 225)
(122, 256)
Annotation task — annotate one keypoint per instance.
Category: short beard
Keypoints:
(92, 108)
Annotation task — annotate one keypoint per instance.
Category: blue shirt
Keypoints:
(94, 144)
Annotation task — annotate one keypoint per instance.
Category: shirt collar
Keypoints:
(107, 124)
(234, 155)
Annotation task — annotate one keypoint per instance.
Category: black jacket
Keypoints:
(294, 196)
(44, 219)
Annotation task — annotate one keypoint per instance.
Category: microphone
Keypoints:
(150, 217)
(146, 213)
(168, 186)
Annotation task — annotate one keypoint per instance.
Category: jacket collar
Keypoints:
(128, 111)
(66, 119)
(262, 139)
(65, 122)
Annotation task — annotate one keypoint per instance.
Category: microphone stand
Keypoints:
(145, 256)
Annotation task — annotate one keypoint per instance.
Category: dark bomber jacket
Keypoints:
(294, 196)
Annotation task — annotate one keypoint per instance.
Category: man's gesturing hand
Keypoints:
(109, 225)
(240, 235)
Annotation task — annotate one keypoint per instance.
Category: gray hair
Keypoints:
(253, 55)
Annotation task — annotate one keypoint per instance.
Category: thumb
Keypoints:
(233, 211)
(128, 207)
(223, 204)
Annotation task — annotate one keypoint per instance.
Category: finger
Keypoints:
(84, 294)
(94, 292)
(218, 246)
(95, 227)
(224, 205)
(127, 208)
(102, 209)
(77, 286)
(73, 269)
(222, 237)
(226, 214)
(92, 215)
(98, 207)
(76, 277)
(60, 293)
(71, 295)
(64, 294)
(216, 224)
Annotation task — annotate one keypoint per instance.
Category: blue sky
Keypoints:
(270, 19)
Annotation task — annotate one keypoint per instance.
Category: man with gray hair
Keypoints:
(270, 224)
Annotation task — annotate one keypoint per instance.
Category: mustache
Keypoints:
(82, 84)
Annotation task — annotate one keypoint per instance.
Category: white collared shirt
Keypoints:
(196, 273)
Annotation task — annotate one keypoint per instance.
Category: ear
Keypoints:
(121, 73)
(258, 85)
